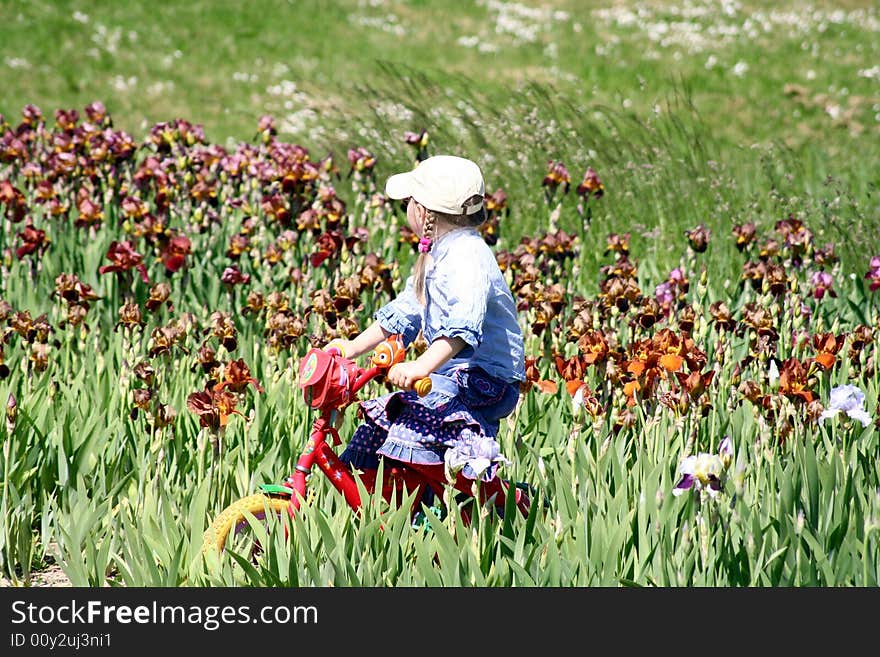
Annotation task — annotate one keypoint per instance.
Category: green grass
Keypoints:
(223, 63)
(676, 142)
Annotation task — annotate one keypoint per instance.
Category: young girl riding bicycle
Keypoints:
(458, 299)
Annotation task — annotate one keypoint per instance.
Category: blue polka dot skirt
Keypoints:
(412, 429)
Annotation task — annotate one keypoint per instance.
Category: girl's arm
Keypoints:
(365, 341)
(404, 375)
(402, 315)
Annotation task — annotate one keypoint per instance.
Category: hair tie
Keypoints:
(425, 244)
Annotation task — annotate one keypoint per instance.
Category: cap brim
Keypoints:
(400, 185)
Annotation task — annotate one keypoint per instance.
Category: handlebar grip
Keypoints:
(334, 346)
(423, 386)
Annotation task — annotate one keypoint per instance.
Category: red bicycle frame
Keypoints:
(318, 451)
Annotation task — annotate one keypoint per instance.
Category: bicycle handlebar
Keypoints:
(386, 354)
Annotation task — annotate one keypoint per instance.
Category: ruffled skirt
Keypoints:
(455, 424)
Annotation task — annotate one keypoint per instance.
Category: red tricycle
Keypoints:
(330, 383)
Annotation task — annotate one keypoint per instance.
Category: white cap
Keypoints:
(443, 183)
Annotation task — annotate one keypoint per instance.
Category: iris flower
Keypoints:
(591, 185)
(847, 399)
(822, 282)
(873, 274)
(124, 257)
(477, 458)
(705, 471)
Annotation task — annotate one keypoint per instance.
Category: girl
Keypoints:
(458, 298)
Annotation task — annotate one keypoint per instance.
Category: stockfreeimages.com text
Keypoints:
(211, 617)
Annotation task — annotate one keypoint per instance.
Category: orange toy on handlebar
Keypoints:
(389, 352)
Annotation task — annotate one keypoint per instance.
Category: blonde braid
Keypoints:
(422, 261)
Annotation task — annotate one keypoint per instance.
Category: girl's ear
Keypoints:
(421, 215)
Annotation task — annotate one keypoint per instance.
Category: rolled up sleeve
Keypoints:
(467, 331)
(402, 315)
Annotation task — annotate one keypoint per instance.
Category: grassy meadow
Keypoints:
(684, 199)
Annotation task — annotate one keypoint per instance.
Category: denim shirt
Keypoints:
(467, 297)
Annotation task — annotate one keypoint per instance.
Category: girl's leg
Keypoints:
(360, 454)
(494, 487)
(397, 476)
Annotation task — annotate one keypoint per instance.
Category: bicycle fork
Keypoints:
(317, 451)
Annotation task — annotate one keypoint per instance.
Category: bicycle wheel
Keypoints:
(231, 528)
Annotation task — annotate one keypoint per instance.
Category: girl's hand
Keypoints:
(404, 375)
(344, 347)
